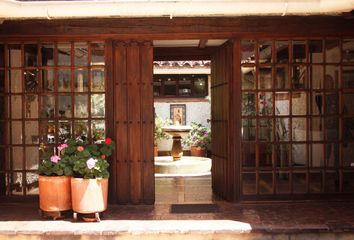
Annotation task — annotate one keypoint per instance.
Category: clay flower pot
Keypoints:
(89, 195)
(198, 151)
(54, 193)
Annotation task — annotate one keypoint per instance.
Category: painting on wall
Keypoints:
(178, 114)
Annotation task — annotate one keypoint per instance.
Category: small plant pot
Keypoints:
(198, 151)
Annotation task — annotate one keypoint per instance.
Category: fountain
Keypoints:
(177, 164)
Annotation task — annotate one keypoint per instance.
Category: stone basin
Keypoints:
(186, 165)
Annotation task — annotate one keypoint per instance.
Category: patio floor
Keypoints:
(283, 220)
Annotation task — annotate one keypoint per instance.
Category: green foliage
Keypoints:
(199, 136)
(48, 168)
(159, 134)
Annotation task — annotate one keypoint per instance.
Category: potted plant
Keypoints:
(159, 134)
(54, 182)
(89, 184)
(199, 139)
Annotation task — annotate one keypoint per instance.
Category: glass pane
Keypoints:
(16, 132)
(282, 183)
(331, 80)
(348, 50)
(265, 129)
(331, 127)
(299, 182)
(31, 55)
(348, 129)
(48, 104)
(317, 103)
(348, 77)
(332, 155)
(248, 183)
(317, 155)
(282, 78)
(2, 55)
(265, 52)
(299, 51)
(332, 103)
(348, 104)
(16, 184)
(98, 105)
(48, 80)
(32, 156)
(316, 77)
(15, 81)
(81, 129)
(265, 103)
(16, 106)
(64, 54)
(2, 81)
(157, 87)
(98, 131)
(282, 129)
(81, 80)
(316, 51)
(265, 78)
(348, 182)
(5, 156)
(282, 51)
(299, 77)
(170, 87)
(200, 87)
(47, 131)
(248, 104)
(98, 80)
(81, 54)
(14, 56)
(185, 86)
(248, 155)
(248, 129)
(64, 106)
(64, 77)
(47, 51)
(299, 129)
(97, 54)
(299, 154)
(299, 103)
(348, 153)
(282, 103)
(316, 183)
(265, 154)
(32, 184)
(332, 51)
(31, 81)
(248, 75)
(317, 133)
(17, 158)
(265, 183)
(64, 131)
(282, 153)
(31, 132)
(81, 106)
(331, 182)
(247, 52)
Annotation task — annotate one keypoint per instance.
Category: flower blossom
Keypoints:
(108, 141)
(54, 158)
(62, 146)
(91, 163)
(80, 148)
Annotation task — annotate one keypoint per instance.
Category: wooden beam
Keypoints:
(202, 43)
(183, 53)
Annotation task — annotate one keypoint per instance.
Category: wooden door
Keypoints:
(132, 175)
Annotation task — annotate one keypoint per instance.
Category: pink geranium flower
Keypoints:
(55, 158)
(62, 146)
(91, 163)
(80, 148)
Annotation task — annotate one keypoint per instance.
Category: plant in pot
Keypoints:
(89, 184)
(199, 139)
(159, 134)
(54, 182)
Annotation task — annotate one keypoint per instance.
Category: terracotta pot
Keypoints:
(156, 151)
(89, 195)
(54, 193)
(198, 151)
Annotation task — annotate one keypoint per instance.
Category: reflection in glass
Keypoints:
(81, 54)
(16, 186)
(332, 103)
(282, 78)
(31, 55)
(315, 179)
(332, 51)
(317, 125)
(97, 54)
(248, 104)
(265, 183)
(31, 132)
(317, 103)
(331, 128)
(299, 183)
(14, 58)
(81, 80)
(331, 80)
(170, 87)
(31, 81)
(185, 86)
(348, 129)
(265, 103)
(64, 77)
(248, 155)
(47, 51)
(47, 106)
(248, 183)
(316, 77)
(265, 129)
(64, 54)
(282, 129)
(97, 105)
(48, 80)
(15, 81)
(81, 129)
(16, 132)
(98, 80)
(157, 87)
(299, 154)
(247, 52)
(299, 77)
(248, 129)
(348, 50)
(64, 106)
(81, 106)
(32, 183)
(265, 154)
(16, 106)
(282, 182)
(32, 156)
(200, 87)
(98, 131)
(315, 51)
(348, 77)
(282, 51)
(299, 51)
(64, 131)
(348, 153)
(282, 103)
(299, 103)
(265, 52)
(299, 127)
(282, 155)
(47, 131)
(265, 78)
(248, 77)
(332, 154)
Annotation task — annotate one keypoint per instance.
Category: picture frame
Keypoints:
(178, 114)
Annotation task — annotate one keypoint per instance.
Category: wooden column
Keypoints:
(133, 123)
(224, 93)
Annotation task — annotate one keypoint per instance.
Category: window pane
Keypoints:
(332, 155)
(299, 154)
(31, 81)
(317, 103)
(332, 77)
(316, 77)
(64, 106)
(185, 86)
(15, 81)
(14, 56)
(32, 157)
(348, 50)
(348, 182)
(81, 129)
(348, 129)
(157, 87)
(265, 154)
(248, 155)
(98, 131)
(247, 52)
(265, 103)
(348, 104)
(265, 52)
(348, 77)
(48, 105)
(31, 55)
(47, 131)
(282, 51)
(282, 129)
(248, 129)
(315, 51)
(248, 75)
(299, 103)
(81, 106)
(282, 153)
(265, 78)
(282, 103)
(64, 131)
(81, 80)
(16, 185)
(317, 126)
(200, 87)
(170, 87)
(248, 104)
(16, 133)
(317, 155)
(331, 182)
(81, 52)
(98, 105)
(16, 106)
(332, 103)
(248, 183)
(265, 129)
(332, 51)
(299, 77)
(97, 54)
(299, 182)
(32, 132)
(98, 80)
(32, 184)
(282, 182)
(265, 183)
(282, 78)
(64, 54)
(299, 129)
(47, 51)
(331, 128)
(348, 153)
(299, 51)
(64, 79)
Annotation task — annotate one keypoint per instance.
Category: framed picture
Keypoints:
(178, 114)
